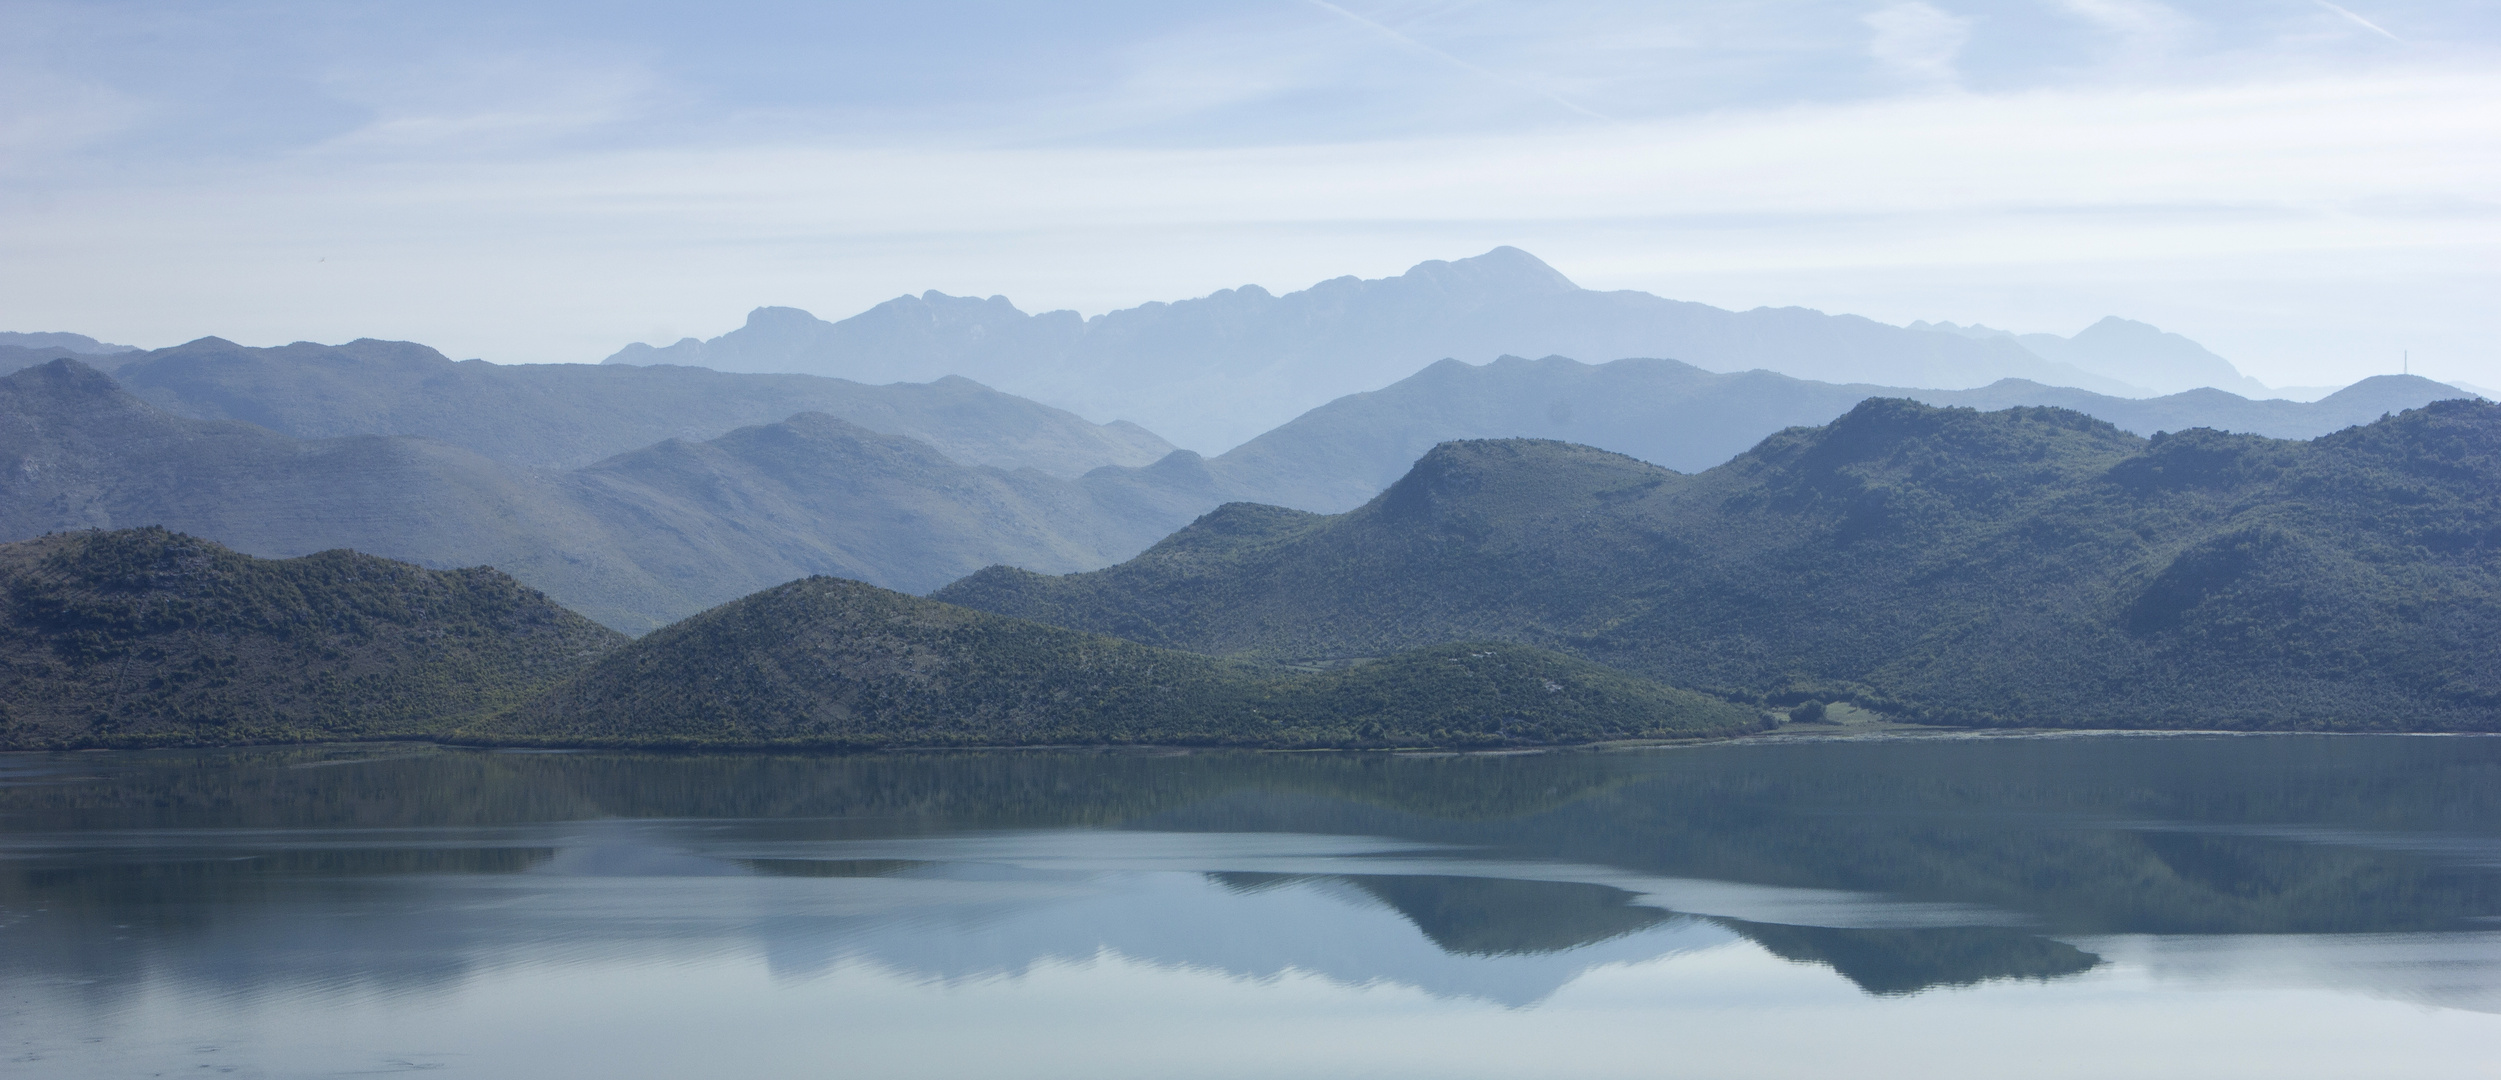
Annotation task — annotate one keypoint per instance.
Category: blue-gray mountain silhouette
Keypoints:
(2140, 354)
(635, 540)
(1335, 457)
(1211, 372)
(569, 415)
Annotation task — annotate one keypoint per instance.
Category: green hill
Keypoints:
(2031, 566)
(145, 637)
(837, 664)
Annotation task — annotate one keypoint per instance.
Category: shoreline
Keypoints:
(1785, 733)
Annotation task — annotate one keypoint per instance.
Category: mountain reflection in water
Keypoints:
(2369, 864)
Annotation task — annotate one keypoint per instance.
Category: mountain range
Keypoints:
(22, 350)
(1335, 457)
(2139, 354)
(390, 448)
(636, 540)
(51, 341)
(1212, 372)
(2030, 566)
(562, 416)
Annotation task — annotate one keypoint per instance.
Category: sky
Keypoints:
(2311, 189)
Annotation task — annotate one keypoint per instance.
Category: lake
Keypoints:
(1912, 906)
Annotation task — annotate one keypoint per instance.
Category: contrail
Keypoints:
(1411, 43)
(2365, 23)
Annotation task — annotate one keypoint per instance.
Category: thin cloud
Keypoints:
(2360, 21)
(1918, 40)
(1407, 42)
(538, 195)
(2147, 35)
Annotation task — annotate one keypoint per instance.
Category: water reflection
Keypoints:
(1908, 961)
(1495, 916)
(2368, 865)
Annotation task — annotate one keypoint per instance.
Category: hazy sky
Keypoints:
(2306, 187)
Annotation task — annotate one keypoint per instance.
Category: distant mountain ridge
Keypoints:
(55, 340)
(636, 540)
(1341, 454)
(1217, 370)
(2137, 353)
(561, 416)
(2031, 566)
(1214, 371)
(18, 350)
(666, 529)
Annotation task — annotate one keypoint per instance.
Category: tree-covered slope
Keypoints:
(146, 637)
(832, 663)
(2029, 566)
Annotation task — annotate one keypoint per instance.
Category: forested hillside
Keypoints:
(559, 416)
(2030, 566)
(836, 664)
(146, 637)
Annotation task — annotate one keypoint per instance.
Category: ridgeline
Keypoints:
(2026, 567)
(2032, 566)
(833, 664)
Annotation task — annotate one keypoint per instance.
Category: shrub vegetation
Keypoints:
(2032, 566)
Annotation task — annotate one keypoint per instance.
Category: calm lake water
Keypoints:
(2088, 906)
